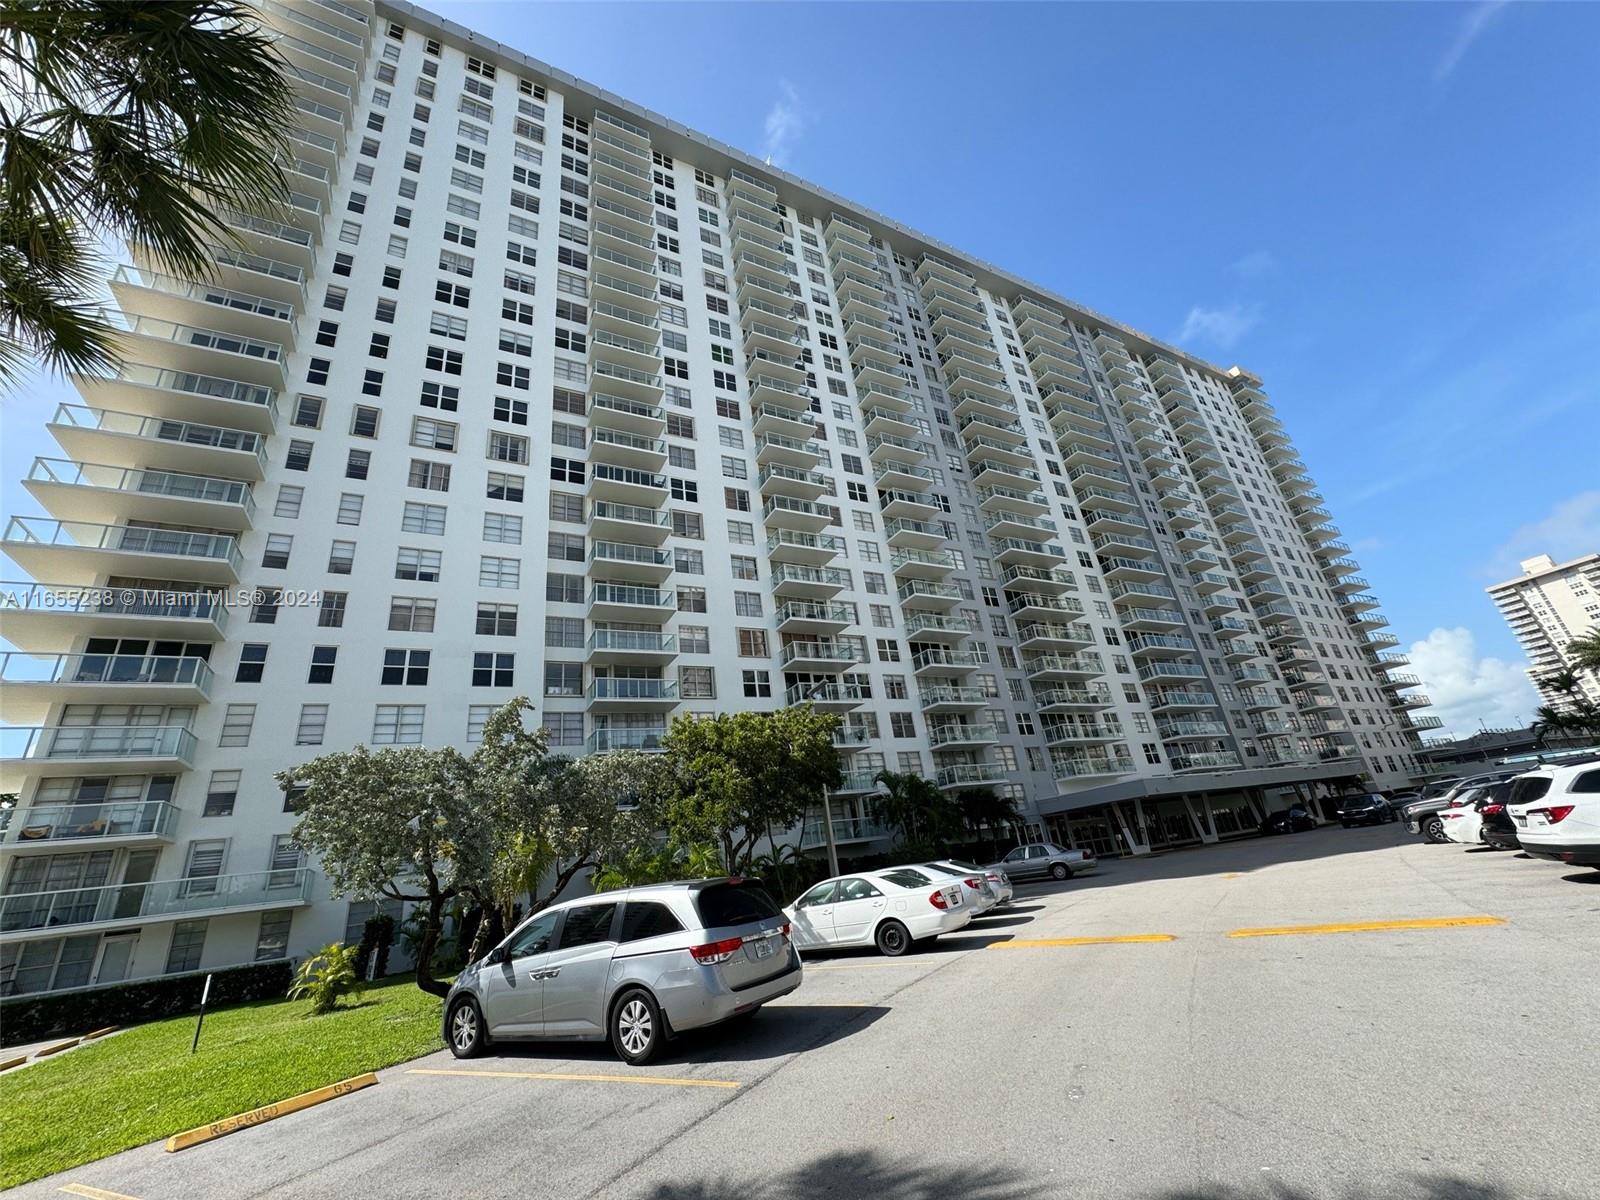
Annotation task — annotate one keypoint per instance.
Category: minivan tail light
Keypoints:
(1558, 812)
(716, 952)
(938, 901)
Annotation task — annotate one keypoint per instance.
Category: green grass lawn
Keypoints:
(143, 1085)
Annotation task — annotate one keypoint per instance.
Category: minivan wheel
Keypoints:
(893, 940)
(1433, 829)
(467, 1035)
(636, 1027)
(1060, 871)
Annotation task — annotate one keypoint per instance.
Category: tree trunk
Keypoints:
(491, 930)
(431, 929)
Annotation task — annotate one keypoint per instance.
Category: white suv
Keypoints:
(1556, 811)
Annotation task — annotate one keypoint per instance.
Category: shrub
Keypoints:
(34, 1018)
(327, 975)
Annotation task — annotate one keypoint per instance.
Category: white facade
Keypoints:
(535, 392)
(1547, 606)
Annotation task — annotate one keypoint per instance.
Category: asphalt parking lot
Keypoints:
(1043, 1053)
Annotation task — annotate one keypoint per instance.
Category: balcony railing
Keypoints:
(57, 742)
(51, 823)
(17, 669)
(146, 901)
(140, 539)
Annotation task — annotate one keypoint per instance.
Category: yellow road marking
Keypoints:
(647, 1079)
(93, 1193)
(1028, 943)
(1369, 926)
(1234, 875)
(268, 1112)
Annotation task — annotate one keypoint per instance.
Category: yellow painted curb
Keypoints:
(1369, 926)
(99, 1033)
(1029, 943)
(268, 1112)
(92, 1193)
(57, 1048)
(7, 1064)
(646, 1079)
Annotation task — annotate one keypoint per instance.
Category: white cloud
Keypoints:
(1221, 326)
(1571, 529)
(1466, 689)
(1474, 23)
(1258, 264)
(784, 125)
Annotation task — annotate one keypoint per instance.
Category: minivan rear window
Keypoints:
(733, 904)
(1526, 791)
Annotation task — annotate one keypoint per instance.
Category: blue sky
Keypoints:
(1391, 212)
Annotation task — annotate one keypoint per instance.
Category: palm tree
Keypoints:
(915, 807)
(1585, 650)
(130, 121)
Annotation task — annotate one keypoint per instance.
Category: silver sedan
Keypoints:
(1045, 860)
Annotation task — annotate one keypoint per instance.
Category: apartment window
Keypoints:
(412, 614)
(901, 725)
(692, 599)
(221, 793)
(357, 464)
(747, 604)
(298, 457)
(430, 434)
(502, 527)
(308, 412)
(424, 566)
(423, 518)
(757, 684)
(349, 509)
(429, 476)
(493, 669)
(407, 668)
(752, 643)
(563, 679)
(276, 553)
(187, 945)
(397, 724)
(323, 660)
(506, 487)
(341, 557)
(743, 567)
(252, 663)
(694, 639)
(312, 725)
(499, 572)
(565, 547)
(497, 620)
(237, 722)
(564, 632)
(688, 525)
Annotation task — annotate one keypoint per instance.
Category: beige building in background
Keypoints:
(1547, 606)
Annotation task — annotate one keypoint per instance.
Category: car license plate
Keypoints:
(955, 897)
(1522, 820)
(1537, 819)
(761, 949)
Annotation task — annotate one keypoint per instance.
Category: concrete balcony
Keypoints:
(199, 350)
(934, 627)
(639, 647)
(626, 485)
(1205, 760)
(774, 449)
(801, 484)
(943, 662)
(952, 699)
(1142, 621)
(977, 426)
(602, 741)
(785, 512)
(846, 831)
(54, 827)
(1004, 523)
(1148, 645)
(627, 451)
(820, 656)
(970, 775)
(165, 297)
(629, 523)
(1086, 664)
(1178, 698)
(1031, 606)
(30, 686)
(1071, 769)
(826, 697)
(1120, 569)
(1073, 697)
(912, 506)
(101, 493)
(1026, 500)
(1187, 730)
(628, 383)
(629, 603)
(1094, 499)
(926, 594)
(901, 476)
(131, 440)
(625, 414)
(128, 905)
(182, 396)
(1045, 636)
(812, 618)
(77, 553)
(55, 750)
(1013, 551)
(607, 345)
(809, 549)
(794, 582)
(1078, 730)
(954, 735)
(921, 564)
(51, 616)
(608, 694)
(630, 563)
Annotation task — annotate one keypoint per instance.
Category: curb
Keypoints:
(47, 1051)
(268, 1112)
(7, 1064)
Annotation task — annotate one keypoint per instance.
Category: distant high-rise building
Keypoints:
(531, 391)
(1547, 606)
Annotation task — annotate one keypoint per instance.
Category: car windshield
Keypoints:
(941, 868)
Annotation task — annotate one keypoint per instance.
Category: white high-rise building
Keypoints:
(532, 391)
(1547, 606)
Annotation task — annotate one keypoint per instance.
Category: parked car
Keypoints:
(1366, 809)
(1295, 819)
(1463, 821)
(1498, 829)
(998, 881)
(979, 892)
(1556, 812)
(1422, 816)
(636, 967)
(892, 910)
(1040, 860)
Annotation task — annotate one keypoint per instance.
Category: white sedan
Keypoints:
(892, 910)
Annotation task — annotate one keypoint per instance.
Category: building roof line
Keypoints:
(988, 273)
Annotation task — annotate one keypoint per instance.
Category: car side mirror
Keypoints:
(498, 955)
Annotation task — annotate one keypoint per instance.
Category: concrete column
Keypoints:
(1202, 818)
(1135, 844)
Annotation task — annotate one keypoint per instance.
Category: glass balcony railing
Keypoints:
(51, 823)
(170, 485)
(143, 901)
(57, 742)
(139, 539)
(19, 669)
(632, 689)
(123, 602)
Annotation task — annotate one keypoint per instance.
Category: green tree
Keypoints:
(326, 976)
(917, 808)
(406, 823)
(656, 864)
(985, 811)
(737, 775)
(135, 121)
(1585, 650)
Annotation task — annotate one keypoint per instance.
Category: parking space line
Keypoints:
(659, 1080)
(1030, 943)
(1369, 926)
(93, 1193)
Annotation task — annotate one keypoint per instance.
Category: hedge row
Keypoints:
(33, 1018)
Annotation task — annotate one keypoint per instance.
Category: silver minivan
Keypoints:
(636, 967)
